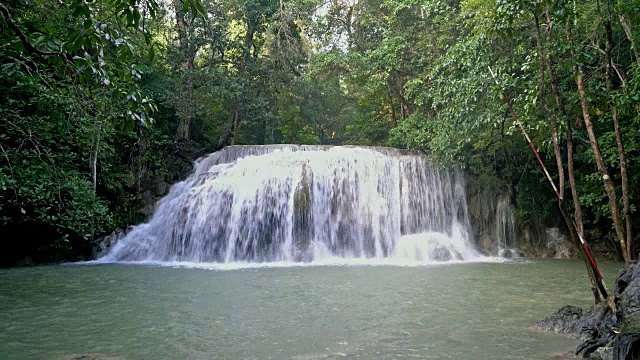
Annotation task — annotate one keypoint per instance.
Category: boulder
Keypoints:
(103, 245)
(441, 253)
(602, 353)
(627, 293)
(562, 321)
(487, 243)
(600, 327)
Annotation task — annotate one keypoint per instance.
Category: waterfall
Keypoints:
(506, 228)
(557, 244)
(305, 203)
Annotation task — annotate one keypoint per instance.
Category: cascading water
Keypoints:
(305, 203)
(506, 229)
(557, 243)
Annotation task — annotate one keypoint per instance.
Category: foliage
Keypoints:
(46, 201)
(108, 102)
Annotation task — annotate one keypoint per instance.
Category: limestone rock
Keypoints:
(562, 321)
(603, 353)
(627, 293)
(598, 326)
(102, 245)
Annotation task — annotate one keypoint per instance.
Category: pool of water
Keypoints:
(125, 311)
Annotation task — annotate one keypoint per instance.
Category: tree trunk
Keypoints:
(230, 131)
(184, 126)
(93, 161)
(626, 25)
(404, 107)
(575, 232)
(235, 128)
(597, 155)
(391, 106)
(626, 214)
(183, 41)
(554, 121)
(552, 74)
(184, 106)
(231, 128)
(184, 90)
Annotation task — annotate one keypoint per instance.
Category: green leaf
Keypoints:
(198, 6)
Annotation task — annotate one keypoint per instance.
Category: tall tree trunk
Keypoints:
(93, 161)
(183, 40)
(542, 55)
(404, 106)
(230, 130)
(184, 128)
(597, 155)
(626, 214)
(391, 106)
(577, 207)
(184, 95)
(575, 232)
(235, 128)
(626, 25)
(184, 90)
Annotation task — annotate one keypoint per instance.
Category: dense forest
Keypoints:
(105, 103)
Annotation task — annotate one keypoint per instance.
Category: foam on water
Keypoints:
(329, 262)
(288, 204)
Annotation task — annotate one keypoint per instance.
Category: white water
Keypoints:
(506, 228)
(282, 204)
(558, 242)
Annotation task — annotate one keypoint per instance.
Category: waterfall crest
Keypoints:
(304, 203)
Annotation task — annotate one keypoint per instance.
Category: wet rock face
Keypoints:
(607, 335)
(102, 245)
(627, 292)
(562, 321)
(580, 324)
(603, 353)
(592, 326)
(627, 347)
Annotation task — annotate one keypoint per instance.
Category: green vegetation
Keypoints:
(104, 103)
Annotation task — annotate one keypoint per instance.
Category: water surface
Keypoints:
(459, 311)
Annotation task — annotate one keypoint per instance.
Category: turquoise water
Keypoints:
(460, 311)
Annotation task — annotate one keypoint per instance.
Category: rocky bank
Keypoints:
(610, 330)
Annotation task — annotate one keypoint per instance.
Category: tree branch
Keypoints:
(23, 37)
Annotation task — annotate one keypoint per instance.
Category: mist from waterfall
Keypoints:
(307, 203)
